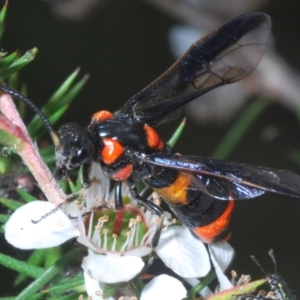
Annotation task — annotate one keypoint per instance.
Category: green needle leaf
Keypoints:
(21, 266)
(2, 18)
(176, 135)
(239, 128)
(3, 218)
(26, 196)
(10, 203)
(18, 64)
(58, 104)
(65, 86)
(48, 275)
(201, 285)
(4, 62)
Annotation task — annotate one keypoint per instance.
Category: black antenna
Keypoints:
(259, 265)
(272, 256)
(16, 95)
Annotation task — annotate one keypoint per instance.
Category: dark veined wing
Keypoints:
(225, 55)
(225, 180)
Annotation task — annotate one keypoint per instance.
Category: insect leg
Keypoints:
(118, 195)
(86, 180)
(151, 206)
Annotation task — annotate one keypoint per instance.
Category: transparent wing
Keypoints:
(225, 55)
(226, 180)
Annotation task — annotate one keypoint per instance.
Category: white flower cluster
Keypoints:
(111, 260)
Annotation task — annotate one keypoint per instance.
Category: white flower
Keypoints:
(26, 230)
(112, 266)
(94, 288)
(116, 240)
(163, 287)
(183, 253)
(221, 255)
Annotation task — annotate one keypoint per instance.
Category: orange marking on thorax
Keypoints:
(124, 173)
(176, 193)
(208, 233)
(102, 115)
(153, 139)
(112, 150)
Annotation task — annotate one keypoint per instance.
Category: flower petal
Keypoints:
(223, 253)
(24, 230)
(112, 268)
(99, 189)
(185, 254)
(163, 287)
(94, 288)
(221, 256)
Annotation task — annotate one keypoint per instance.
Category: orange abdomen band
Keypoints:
(211, 231)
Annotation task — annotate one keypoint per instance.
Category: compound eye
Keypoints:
(79, 156)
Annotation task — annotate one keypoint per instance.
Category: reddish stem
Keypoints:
(11, 122)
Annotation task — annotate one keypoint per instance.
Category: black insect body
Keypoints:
(129, 148)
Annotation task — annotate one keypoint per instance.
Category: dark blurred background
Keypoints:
(123, 45)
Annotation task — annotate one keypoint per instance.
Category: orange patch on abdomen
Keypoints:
(176, 193)
(209, 232)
